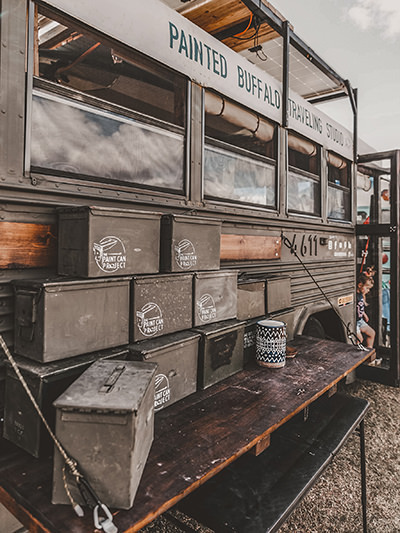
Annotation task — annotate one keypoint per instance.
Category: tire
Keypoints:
(314, 328)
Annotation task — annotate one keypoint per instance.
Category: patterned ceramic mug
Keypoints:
(271, 343)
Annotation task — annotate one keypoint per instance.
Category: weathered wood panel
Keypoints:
(249, 247)
(24, 245)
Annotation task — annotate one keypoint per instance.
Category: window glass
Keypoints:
(239, 153)
(304, 184)
(71, 58)
(239, 178)
(121, 119)
(303, 194)
(72, 138)
(338, 203)
(339, 179)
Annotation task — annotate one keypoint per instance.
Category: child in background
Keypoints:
(364, 284)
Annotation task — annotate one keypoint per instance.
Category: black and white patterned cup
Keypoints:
(271, 343)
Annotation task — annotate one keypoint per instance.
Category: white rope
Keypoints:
(68, 460)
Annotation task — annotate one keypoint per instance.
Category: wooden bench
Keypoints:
(257, 494)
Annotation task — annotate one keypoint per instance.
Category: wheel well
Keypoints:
(324, 324)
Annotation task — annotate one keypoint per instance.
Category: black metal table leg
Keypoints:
(363, 476)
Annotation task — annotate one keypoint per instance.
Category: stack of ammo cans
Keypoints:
(71, 341)
(190, 308)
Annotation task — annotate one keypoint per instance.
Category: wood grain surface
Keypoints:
(194, 438)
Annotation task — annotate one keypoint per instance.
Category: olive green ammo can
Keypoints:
(98, 241)
(160, 305)
(22, 424)
(214, 296)
(176, 356)
(105, 420)
(221, 351)
(278, 294)
(189, 243)
(250, 299)
(56, 319)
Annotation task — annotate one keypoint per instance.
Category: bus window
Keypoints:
(105, 113)
(339, 179)
(239, 154)
(304, 182)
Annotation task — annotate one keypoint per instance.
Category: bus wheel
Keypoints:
(314, 328)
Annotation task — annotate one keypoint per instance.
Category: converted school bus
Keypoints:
(200, 113)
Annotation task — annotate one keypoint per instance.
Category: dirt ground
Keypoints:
(334, 503)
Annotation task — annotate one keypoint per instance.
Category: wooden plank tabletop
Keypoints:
(194, 439)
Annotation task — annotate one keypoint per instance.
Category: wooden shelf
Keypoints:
(194, 438)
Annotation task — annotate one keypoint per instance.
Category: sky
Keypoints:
(360, 40)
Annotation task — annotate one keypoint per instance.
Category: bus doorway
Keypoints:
(377, 230)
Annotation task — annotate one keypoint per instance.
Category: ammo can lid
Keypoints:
(225, 326)
(109, 212)
(251, 281)
(44, 371)
(216, 274)
(161, 278)
(59, 284)
(109, 386)
(190, 219)
(150, 348)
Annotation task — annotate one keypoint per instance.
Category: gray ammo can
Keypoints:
(160, 305)
(278, 294)
(176, 356)
(251, 299)
(98, 241)
(189, 243)
(105, 420)
(56, 319)
(214, 296)
(221, 351)
(22, 424)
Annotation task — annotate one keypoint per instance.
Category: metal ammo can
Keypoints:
(99, 241)
(56, 319)
(22, 424)
(160, 305)
(221, 351)
(176, 356)
(105, 420)
(215, 296)
(250, 298)
(189, 243)
(277, 294)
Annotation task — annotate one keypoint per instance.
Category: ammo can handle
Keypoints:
(112, 379)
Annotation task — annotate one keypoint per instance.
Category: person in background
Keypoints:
(370, 272)
(364, 284)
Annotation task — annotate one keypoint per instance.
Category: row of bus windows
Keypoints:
(109, 115)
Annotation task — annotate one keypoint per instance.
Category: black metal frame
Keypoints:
(392, 231)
